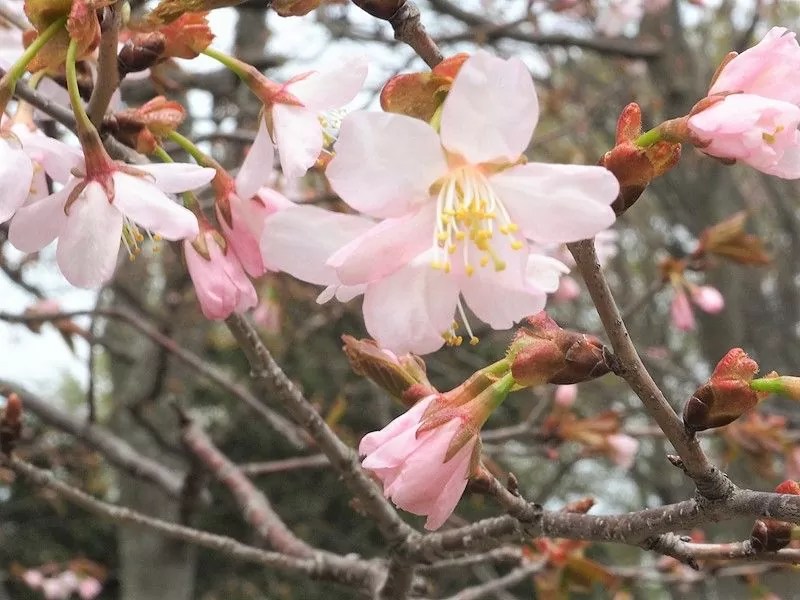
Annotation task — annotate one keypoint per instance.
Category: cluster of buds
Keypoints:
(635, 166)
(728, 239)
(143, 128)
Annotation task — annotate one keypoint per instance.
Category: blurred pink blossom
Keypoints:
(89, 588)
(33, 578)
(681, 311)
(565, 395)
(708, 298)
(614, 16)
(623, 449)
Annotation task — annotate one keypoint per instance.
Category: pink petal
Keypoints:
(173, 178)
(452, 491)
(708, 298)
(411, 309)
(332, 88)
(57, 158)
(142, 202)
(256, 169)
(298, 135)
(501, 298)
(544, 273)
(491, 110)
(408, 420)
(16, 177)
(40, 222)
(299, 241)
(681, 311)
(554, 204)
(385, 163)
(89, 243)
(767, 69)
(386, 247)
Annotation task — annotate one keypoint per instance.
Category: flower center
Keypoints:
(133, 239)
(469, 215)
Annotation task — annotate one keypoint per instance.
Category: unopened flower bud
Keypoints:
(380, 9)
(726, 396)
(10, 424)
(634, 166)
(770, 535)
(403, 377)
(543, 352)
(142, 127)
(141, 52)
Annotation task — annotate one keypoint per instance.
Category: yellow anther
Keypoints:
(437, 265)
(473, 341)
(504, 229)
(447, 267)
(516, 245)
(441, 236)
(469, 269)
(513, 227)
(484, 260)
(499, 265)
(451, 248)
(460, 235)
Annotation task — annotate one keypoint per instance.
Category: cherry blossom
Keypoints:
(412, 467)
(622, 449)
(614, 16)
(218, 276)
(756, 116)
(292, 118)
(462, 214)
(91, 214)
(707, 298)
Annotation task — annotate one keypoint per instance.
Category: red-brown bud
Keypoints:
(10, 424)
(543, 352)
(403, 377)
(140, 52)
(769, 535)
(728, 239)
(141, 127)
(419, 95)
(380, 9)
(634, 166)
(726, 396)
(294, 8)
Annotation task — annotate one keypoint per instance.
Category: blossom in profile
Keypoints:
(752, 111)
(706, 297)
(459, 212)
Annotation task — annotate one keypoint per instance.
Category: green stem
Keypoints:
(649, 138)
(500, 389)
(83, 123)
(17, 70)
(769, 385)
(189, 147)
(497, 368)
(163, 155)
(233, 64)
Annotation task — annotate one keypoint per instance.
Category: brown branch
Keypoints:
(495, 585)
(107, 69)
(322, 566)
(710, 481)
(314, 461)
(689, 552)
(113, 448)
(275, 383)
(255, 506)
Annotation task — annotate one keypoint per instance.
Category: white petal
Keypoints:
(16, 177)
(40, 222)
(142, 202)
(501, 298)
(298, 135)
(332, 88)
(174, 178)
(385, 163)
(554, 204)
(491, 110)
(386, 247)
(300, 239)
(89, 243)
(544, 272)
(57, 158)
(257, 166)
(411, 309)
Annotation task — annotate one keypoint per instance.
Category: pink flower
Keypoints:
(293, 118)
(89, 588)
(16, 176)
(90, 214)
(708, 298)
(614, 16)
(623, 449)
(459, 210)
(219, 279)
(412, 468)
(566, 395)
(681, 311)
(33, 578)
(757, 122)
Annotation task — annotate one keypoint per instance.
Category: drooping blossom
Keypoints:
(756, 114)
(242, 208)
(412, 467)
(707, 298)
(461, 214)
(89, 588)
(614, 16)
(220, 282)
(292, 117)
(16, 176)
(92, 213)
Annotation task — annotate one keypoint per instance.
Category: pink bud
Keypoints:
(89, 588)
(681, 311)
(708, 298)
(622, 449)
(566, 395)
(33, 578)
